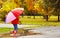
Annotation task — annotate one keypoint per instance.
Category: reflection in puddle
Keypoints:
(23, 32)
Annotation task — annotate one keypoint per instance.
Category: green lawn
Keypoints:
(40, 21)
(5, 30)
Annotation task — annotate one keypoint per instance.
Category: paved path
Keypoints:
(11, 26)
(47, 32)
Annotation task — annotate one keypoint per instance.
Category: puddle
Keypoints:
(20, 32)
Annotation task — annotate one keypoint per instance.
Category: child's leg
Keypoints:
(15, 27)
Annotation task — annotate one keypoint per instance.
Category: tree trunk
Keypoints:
(58, 15)
(46, 17)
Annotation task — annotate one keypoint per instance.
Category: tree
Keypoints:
(55, 4)
(6, 7)
(58, 8)
(46, 5)
(29, 4)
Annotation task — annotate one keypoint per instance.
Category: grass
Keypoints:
(40, 21)
(29, 20)
(5, 30)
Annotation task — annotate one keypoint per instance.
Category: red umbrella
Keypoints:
(12, 15)
(17, 11)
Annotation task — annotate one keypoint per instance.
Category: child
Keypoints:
(16, 21)
(13, 18)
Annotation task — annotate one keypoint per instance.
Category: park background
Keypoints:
(40, 13)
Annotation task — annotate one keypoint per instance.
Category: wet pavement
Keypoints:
(46, 32)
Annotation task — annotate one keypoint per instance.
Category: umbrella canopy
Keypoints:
(9, 17)
(12, 15)
(17, 11)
